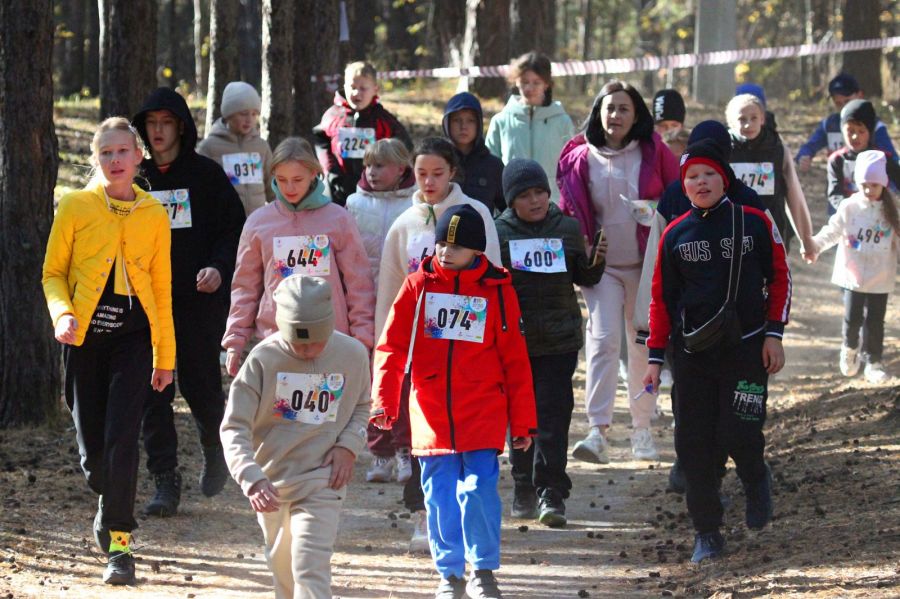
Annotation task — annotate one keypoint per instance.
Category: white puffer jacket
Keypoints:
(375, 212)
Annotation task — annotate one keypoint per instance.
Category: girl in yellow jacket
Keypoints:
(107, 280)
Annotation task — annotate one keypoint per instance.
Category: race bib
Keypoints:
(418, 247)
(641, 211)
(455, 317)
(302, 255)
(869, 237)
(177, 203)
(537, 255)
(243, 168)
(835, 141)
(849, 181)
(355, 140)
(758, 176)
(308, 398)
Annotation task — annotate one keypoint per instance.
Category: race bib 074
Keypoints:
(308, 398)
(759, 176)
(418, 247)
(537, 255)
(455, 317)
(302, 255)
(355, 140)
(243, 168)
(177, 203)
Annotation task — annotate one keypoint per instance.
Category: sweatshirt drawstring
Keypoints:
(431, 216)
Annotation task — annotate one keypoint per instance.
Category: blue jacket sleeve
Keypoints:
(883, 142)
(815, 143)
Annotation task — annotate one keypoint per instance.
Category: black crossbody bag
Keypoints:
(724, 329)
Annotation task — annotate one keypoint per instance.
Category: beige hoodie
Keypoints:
(265, 437)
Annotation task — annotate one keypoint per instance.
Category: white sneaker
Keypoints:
(592, 448)
(642, 445)
(665, 378)
(419, 541)
(381, 470)
(404, 465)
(875, 373)
(850, 361)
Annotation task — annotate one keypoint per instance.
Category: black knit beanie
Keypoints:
(463, 226)
(520, 175)
(668, 105)
(859, 110)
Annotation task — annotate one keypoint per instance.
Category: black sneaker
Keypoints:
(552, 509)
(483, 585)
(119, 568)
(168, 495)
(759, 501)
(677, 482)
(101, 534)
(524, 503)
(215, 472)
(451, 588)
(708, 545)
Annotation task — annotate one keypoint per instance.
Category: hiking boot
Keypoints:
(451, 588)
(708, 545)
(642, 446)
(404, 465)
(418, 543)
(553, 509)
(524, 504)
(759, 501)
(875, 373)
(101, 534)
(592, 448)
(168, 495)
(677, 482)
(119, 568)
(215, 471)
(849, 361)
(483, 585)
(381, 470)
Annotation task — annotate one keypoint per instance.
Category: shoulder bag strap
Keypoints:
(412, 339)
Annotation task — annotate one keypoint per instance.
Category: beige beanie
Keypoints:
(239, 96)
(303, 310)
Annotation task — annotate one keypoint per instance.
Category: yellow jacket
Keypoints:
(87, 240)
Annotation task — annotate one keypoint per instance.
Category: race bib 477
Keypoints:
(177, 203)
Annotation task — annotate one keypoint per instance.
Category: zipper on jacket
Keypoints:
(449, 381)
(502, 309)
(531, 132)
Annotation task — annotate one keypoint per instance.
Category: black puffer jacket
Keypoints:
(550, 311)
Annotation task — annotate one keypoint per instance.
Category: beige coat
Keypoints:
(221, 141)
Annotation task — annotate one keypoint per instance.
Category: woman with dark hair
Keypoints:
(604, 174)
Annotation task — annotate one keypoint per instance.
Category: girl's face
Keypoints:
(750, 121)
(433, 175)
(872, 191)
(118, 156)
(703, 185)
(617, 117)
(856, 135)
(532, 205)
(532, 87)
(384, 176)
(243, 122)
(294, 180)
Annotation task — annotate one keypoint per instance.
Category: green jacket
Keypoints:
(550, 310)
(539, 133)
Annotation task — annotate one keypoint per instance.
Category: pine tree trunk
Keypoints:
(29, 355)
(362, 29)
(201, 49)
(316, 53)
(529, 24)
(168, 36)
(92, 49)
(487, 42)
(72, 63)
(223, 54)
(277, 67)
(446, 28)
(250, 41)
(860, 23)
(127, 55)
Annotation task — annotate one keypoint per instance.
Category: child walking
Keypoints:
(458, 314)
(304, 233)
(294, 424)
(865, 230)
(108, 283)
(545, 254)
(234, 142)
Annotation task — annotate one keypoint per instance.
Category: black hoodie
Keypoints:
(217, 215)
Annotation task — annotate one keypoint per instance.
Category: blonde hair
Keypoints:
(387, 151)
(113, 123)
(360, 69)
(296, 149)
(738, 103)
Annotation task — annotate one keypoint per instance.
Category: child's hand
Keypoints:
(809, 250)
(382, 422)
(160, 379)
(264, 496)
(341, 460)
(651, 376)
(522, 443)
(232, 362)
(804, 163)
(600, 255)
(65, 329)
(773, 355)
(208, 280)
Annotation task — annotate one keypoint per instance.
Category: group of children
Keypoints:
(369, 283)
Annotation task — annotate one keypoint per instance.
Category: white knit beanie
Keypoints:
(239, 96)
(303, 310)
(871, 167)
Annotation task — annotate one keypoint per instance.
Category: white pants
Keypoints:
(606, 301)
(300, 541)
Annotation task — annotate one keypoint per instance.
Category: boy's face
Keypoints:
(463, 128)
(454, 257)
(663, 127)
(532, 205)
(360, 91)
(384, 176)
(163, 130)
(751, 120)
(308, 351)
(872, 191)
(840, 99)
(856, 135)
(243, 122)
(703, 185)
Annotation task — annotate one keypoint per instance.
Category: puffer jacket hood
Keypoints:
(464, 101)
(163, 98)
(408, 182)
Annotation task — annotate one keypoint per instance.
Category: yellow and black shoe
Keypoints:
(120, 566)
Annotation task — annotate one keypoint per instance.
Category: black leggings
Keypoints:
(865, 311)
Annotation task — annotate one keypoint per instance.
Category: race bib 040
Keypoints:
(302, 255)
(177, 203)
(418, 247)
(355, 140)
(537, 255)
(308, 398)
(455, 317)
(759, 176)
(243, 168)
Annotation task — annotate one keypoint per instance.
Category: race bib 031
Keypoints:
(243, 168)
(177, 203)
(308, 398)
(537, 255)
(455, 317)
(302, 255)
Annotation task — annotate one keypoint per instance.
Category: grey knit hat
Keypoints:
(520, 175)
(303, 310)
(239, 96)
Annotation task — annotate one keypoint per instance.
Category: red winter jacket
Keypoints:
(464, 393)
